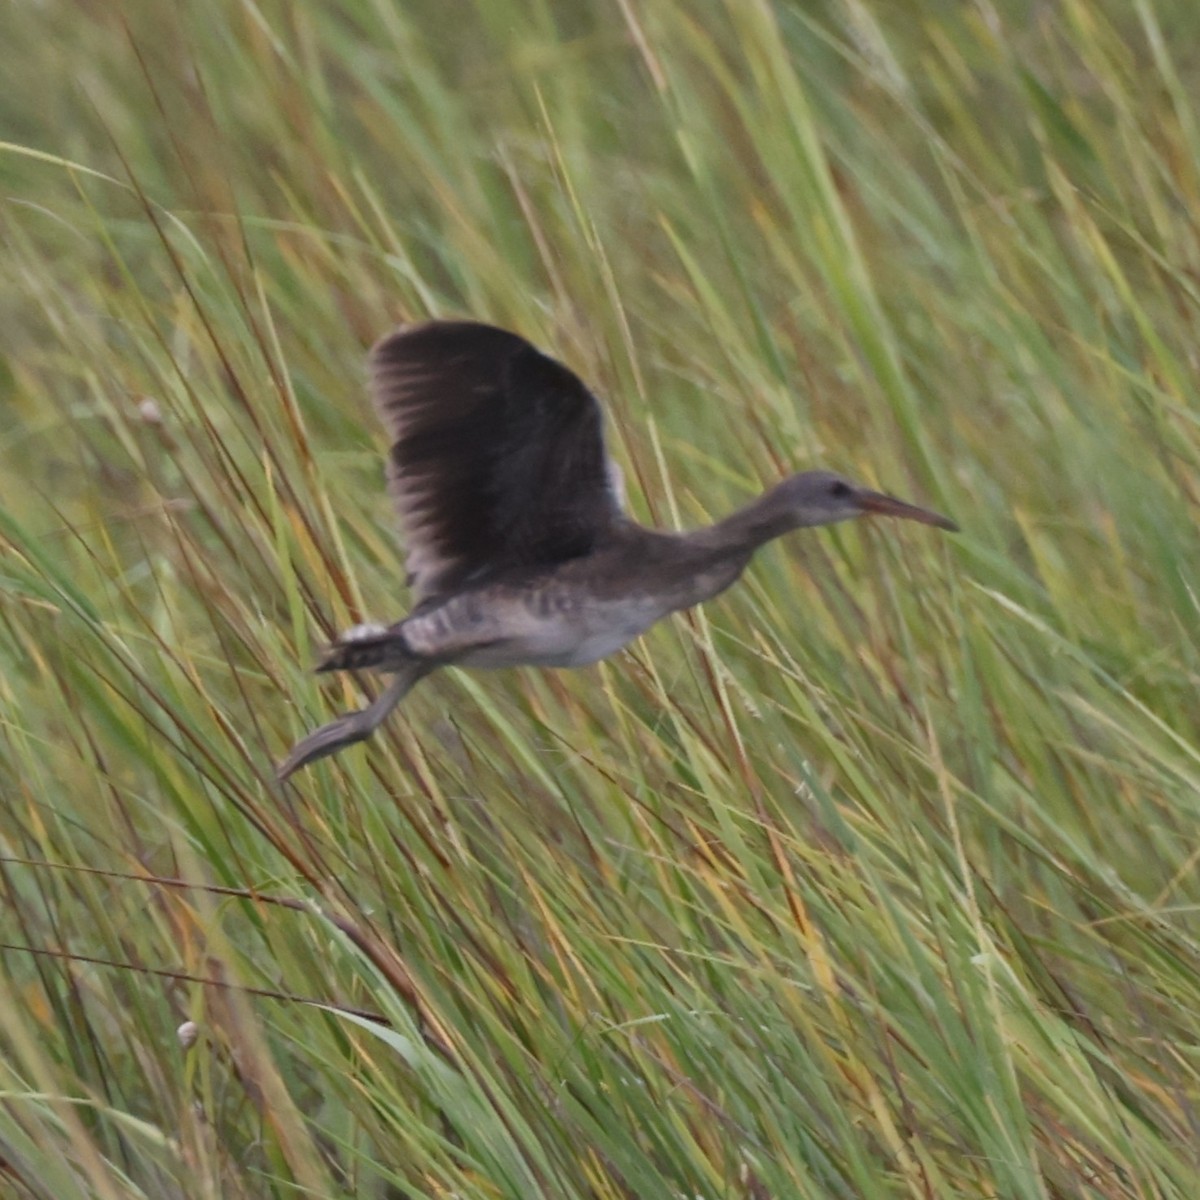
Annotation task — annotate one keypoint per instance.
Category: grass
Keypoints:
(876, 878)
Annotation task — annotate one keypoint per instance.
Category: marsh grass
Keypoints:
(877, 878)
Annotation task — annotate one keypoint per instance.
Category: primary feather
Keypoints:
(498, 458)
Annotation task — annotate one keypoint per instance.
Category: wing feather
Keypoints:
(498, 456)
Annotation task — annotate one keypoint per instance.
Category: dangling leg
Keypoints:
(356, 726)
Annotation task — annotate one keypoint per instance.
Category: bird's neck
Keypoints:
(744, 531)
(683, 569)
(711, 559)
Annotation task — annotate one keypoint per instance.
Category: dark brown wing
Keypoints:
(498, 458)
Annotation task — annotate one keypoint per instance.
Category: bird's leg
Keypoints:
(352, 727)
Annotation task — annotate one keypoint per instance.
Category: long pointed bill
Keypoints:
(889, 506)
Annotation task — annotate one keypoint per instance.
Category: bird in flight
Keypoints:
(519, 551)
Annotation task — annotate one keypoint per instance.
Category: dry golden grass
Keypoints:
(875, 879)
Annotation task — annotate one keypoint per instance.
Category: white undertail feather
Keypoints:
(363, 647)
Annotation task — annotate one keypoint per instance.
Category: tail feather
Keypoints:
(366, 647)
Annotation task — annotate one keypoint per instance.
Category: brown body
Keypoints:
(570, 615)
(519, 551)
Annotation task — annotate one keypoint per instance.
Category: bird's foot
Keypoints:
(351, 727)
(329, 739)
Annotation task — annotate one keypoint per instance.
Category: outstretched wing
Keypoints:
(498, 458)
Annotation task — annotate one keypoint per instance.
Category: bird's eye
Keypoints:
(840, 488)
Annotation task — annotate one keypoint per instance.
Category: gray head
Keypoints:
(823, 498)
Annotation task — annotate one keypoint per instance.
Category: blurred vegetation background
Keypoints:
(876, 878)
